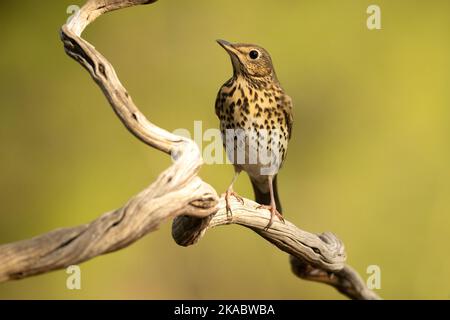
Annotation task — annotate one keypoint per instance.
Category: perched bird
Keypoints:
(256, 120)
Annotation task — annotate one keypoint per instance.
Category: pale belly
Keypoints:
(255, 151)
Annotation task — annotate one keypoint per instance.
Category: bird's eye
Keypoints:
(254, 54)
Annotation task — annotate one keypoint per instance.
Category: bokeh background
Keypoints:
(369, 159)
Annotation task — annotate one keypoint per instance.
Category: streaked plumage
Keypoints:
(254, 101)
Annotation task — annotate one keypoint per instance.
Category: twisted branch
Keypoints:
(177, 193)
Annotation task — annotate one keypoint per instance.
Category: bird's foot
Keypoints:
(228, 195)
(273, 212)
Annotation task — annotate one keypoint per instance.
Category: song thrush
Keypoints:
(256, 120)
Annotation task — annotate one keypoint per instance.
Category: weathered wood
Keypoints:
(177, 193)
(324, 251)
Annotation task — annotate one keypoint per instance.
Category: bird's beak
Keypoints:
(228, 47)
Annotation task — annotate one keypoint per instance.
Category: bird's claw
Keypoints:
(228, 196)
(273, 212)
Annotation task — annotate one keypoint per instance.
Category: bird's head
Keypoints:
(249, 60)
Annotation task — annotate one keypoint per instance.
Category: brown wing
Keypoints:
(288, 112)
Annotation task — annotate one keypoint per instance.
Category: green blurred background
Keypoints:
(369, 159)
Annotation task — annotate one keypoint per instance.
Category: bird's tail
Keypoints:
(264, 198)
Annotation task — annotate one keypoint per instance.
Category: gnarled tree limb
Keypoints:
(178, 192)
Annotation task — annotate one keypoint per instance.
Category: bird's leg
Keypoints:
(272, 207)
(230, 192)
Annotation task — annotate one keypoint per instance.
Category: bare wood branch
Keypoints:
(319, 258)
(325, 251)
(178, 192)
(347, 280)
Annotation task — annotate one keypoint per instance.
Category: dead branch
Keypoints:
(177, 193)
